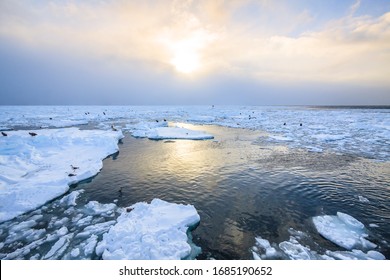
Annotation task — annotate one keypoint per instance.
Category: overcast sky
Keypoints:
(257, 52)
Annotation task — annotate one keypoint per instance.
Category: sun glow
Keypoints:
(186, 61)
(185, 54)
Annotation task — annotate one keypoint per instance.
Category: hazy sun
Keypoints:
(185, 61)
(185, 55)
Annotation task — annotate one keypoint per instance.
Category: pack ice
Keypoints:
(342, 229)
(38, 167)
(150, 231)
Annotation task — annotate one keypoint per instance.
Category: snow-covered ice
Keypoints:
(343, 230)
(150, 231)
(143, 128)
(73, 235)
(363, 132)
(177, 133)
(294, 249)
(159, 130)
(268, 251)
(36, 169)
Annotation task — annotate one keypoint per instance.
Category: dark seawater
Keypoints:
(243, 188)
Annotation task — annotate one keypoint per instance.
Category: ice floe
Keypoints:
(150, 231)
(159, 230)
(143, 128)
(73, 234)
(343, 230)
(37, 166)
(177, 133)
(363, 199)
(159, 130)
(268, 251)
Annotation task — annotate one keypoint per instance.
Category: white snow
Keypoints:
(343, 230)
(36, 169)
(150, 231)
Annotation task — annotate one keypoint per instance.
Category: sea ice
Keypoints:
(363, 199)
(177, 133)
(294, 250)
(96, 208)
(343, 230)
(201, 119)
(263, 249)
(280, 138)
(59, 247)
(143, 128)
(363, 132)
(160, 130)
(36, 169)
(71, 198)
(150, 231)
(356, 255)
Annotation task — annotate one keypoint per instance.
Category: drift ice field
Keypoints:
(205, 182)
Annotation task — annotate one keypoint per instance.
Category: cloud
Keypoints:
(264, 40)
(354, 7)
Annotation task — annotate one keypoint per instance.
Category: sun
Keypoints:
(186, 61)
(186, 55)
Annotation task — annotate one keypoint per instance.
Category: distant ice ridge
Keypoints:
(36, 169)
(150, 231)
(342, 229)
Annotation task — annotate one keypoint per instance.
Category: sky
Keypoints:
(187, 52)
